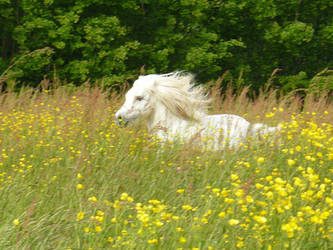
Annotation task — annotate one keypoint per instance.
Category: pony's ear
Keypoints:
(152, 82)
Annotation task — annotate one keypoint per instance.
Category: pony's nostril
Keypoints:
(121, 121)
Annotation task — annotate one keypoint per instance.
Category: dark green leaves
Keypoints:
(94, 39)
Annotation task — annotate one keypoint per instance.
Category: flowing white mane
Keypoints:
(175, 108)
(177, 92)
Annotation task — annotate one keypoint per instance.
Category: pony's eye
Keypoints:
(139, 98)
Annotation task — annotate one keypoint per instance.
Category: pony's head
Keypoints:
(174, 91)
(138, 102)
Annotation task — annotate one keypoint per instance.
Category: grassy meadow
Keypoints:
(71, 179)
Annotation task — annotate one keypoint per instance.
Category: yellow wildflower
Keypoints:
(233, 222)
(249, 199)
(234, 177)
(180, 191)
(123, 196)
(92, 199)
(98, 228)
(182, 240)
(222, 214)
(16, 222)
(240, 244)
(260, 219)
(187, 207)
(80, 216)
(260, 159)
(291, 162)
(153, 241)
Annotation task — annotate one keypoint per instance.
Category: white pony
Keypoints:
(175, 109)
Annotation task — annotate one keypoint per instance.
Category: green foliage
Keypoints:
(294, 81)
(94, 39)
(322, 81)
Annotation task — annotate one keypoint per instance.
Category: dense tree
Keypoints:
(93, 39)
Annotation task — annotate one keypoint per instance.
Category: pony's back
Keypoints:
(226, 129)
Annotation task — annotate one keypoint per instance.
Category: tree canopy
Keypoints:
(94, 39)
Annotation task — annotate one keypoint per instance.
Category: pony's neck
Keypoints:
(163, 121)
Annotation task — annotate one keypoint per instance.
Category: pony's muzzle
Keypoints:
(121, 122)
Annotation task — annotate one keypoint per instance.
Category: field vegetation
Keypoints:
(71, 179)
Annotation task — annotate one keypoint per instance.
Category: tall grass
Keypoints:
(71, 179)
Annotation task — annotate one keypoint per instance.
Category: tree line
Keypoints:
(112, 40)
